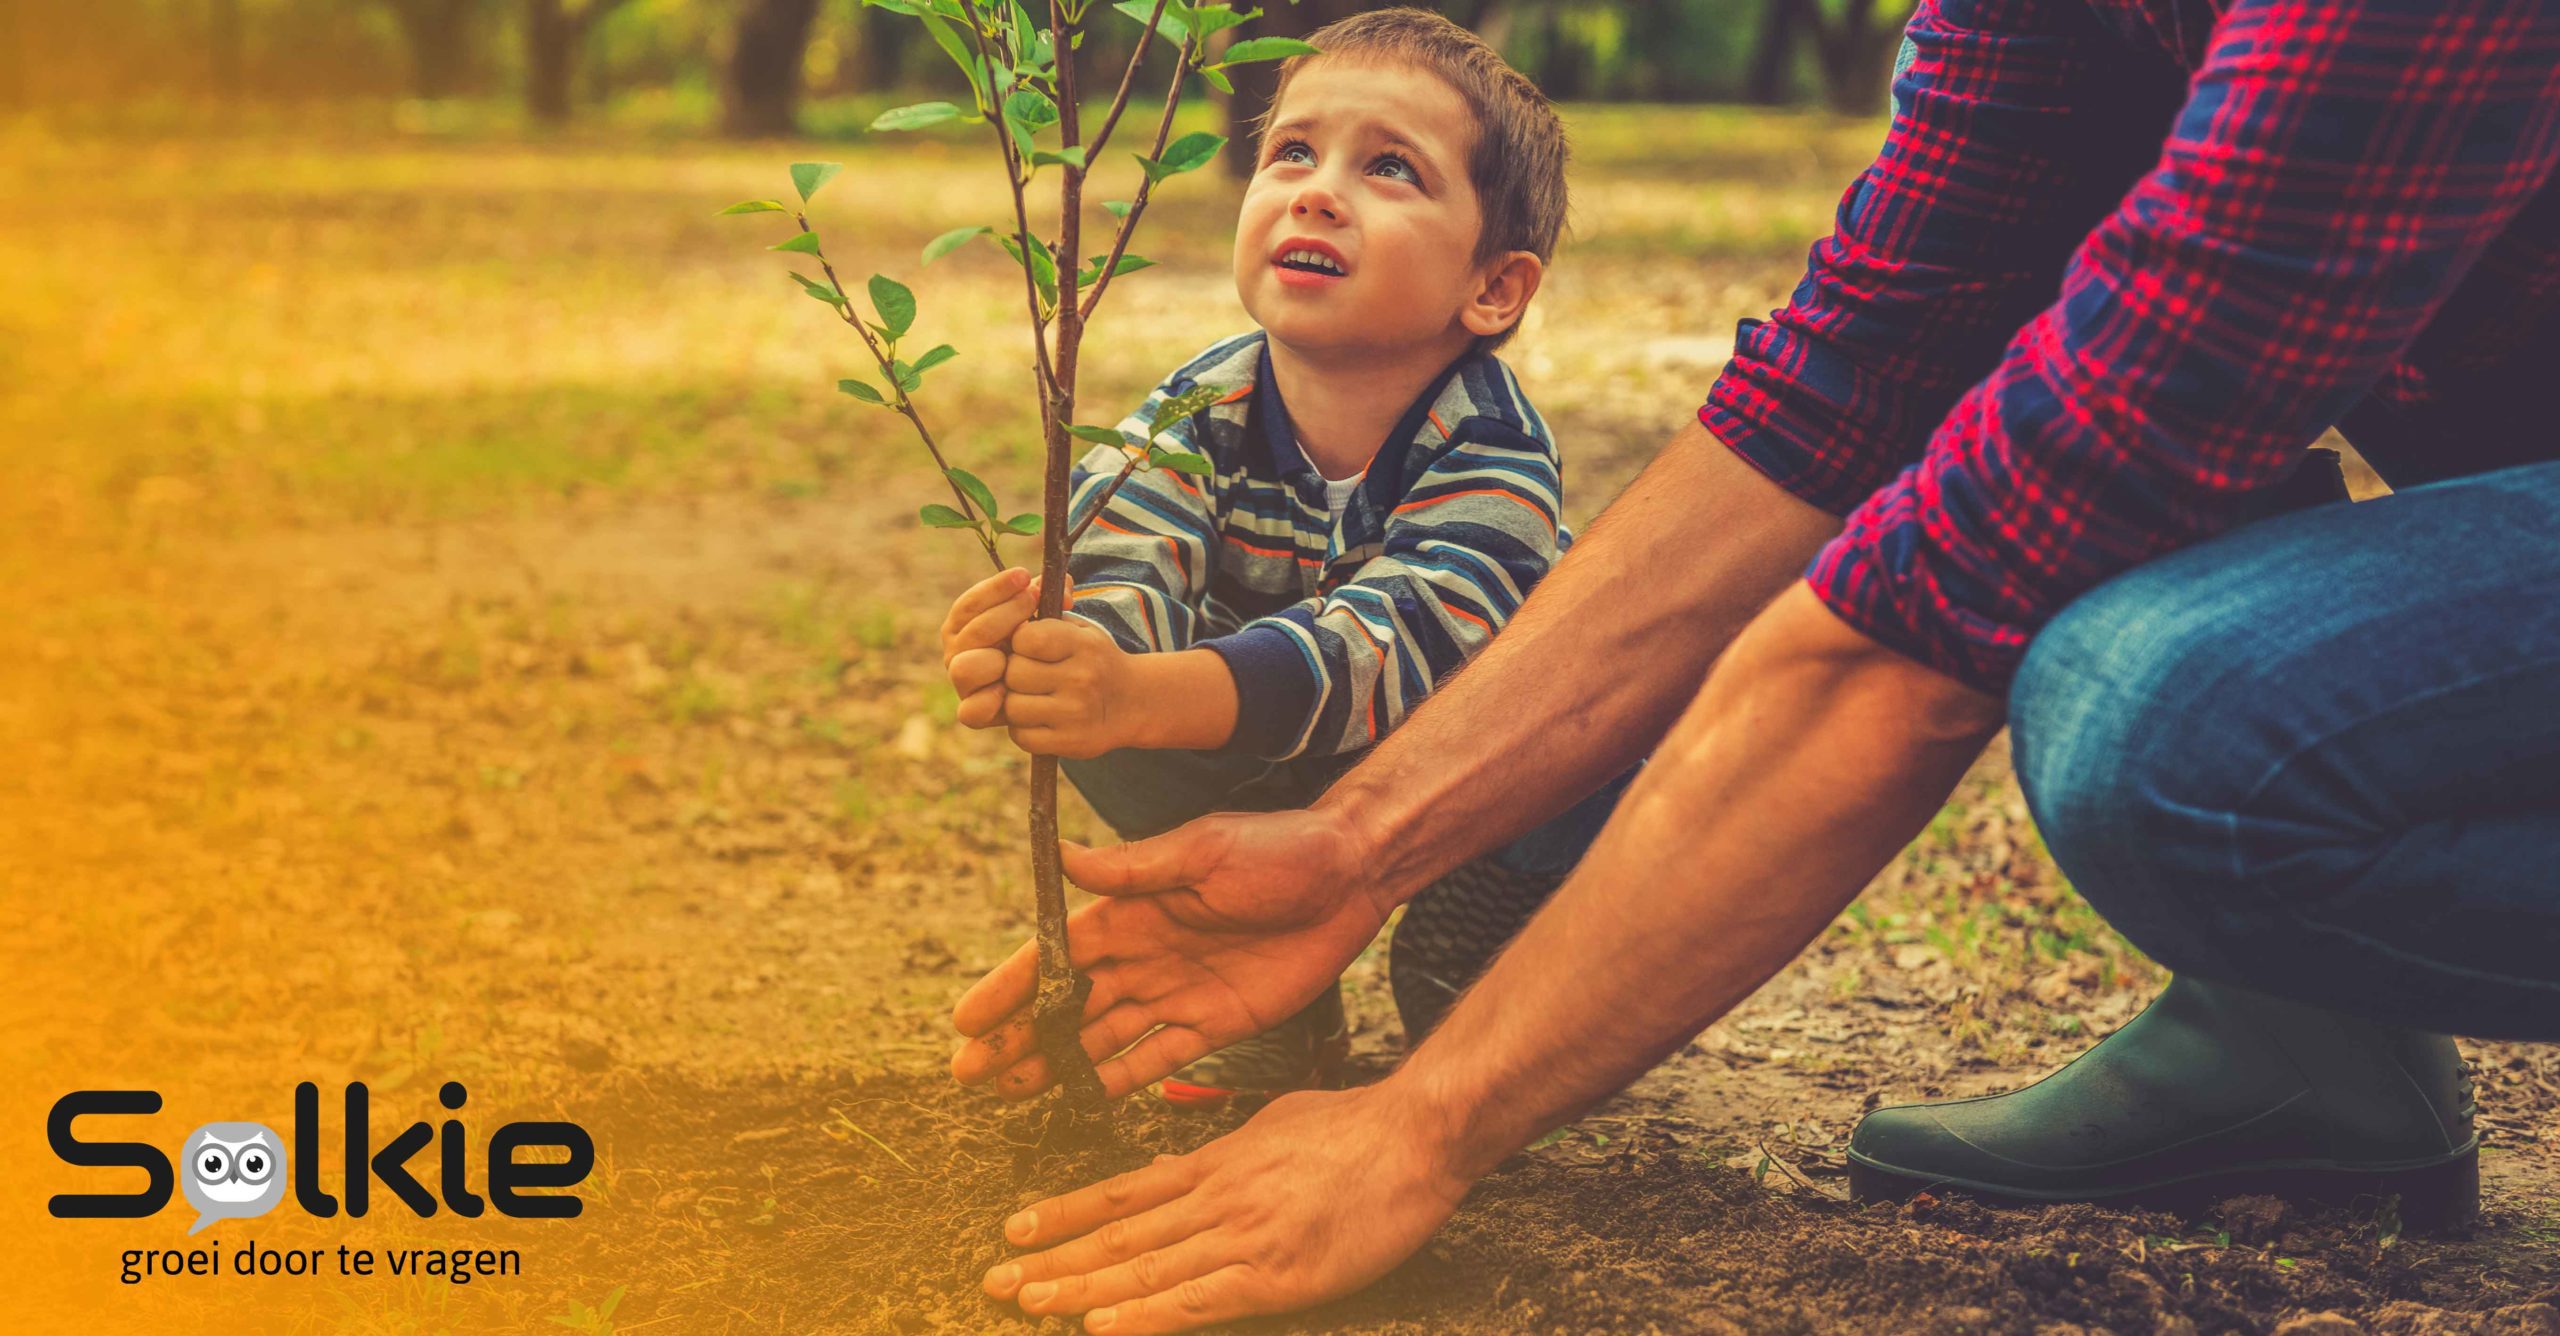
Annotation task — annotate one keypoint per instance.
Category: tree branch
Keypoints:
(1105, 502)
(1128, 80)
(1183, 60)
(905, 406)
(978, 36)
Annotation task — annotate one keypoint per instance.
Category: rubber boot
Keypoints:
(2212, 1091)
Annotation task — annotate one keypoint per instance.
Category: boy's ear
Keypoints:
(1503, 293)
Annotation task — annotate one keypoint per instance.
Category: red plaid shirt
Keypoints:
(2121, 261)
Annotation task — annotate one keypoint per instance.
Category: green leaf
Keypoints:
(811, 177)
(940, 354)
(1098, 435)
(896, 305)
(805, 243)
(1179, 461)
(976, 490)
(1128, 264)
(1027, 112)
(944, 517)
(823, 292)
(1218, 79)
(922, 115)
(949, 39)
(1181, 406)
(1065, 157)
(951, 241)
(1117, 208)
(1044, 266)
(909, 7)
(1031, 109)
(1025, 523)
(754, 206)
(1168, 24)
(861, 391)
(1189, 153)
(1206, 19)
(1252, 49)
(905, 375)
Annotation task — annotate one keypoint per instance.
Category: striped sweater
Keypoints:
(1334, 629)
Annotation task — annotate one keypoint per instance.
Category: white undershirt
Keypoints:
(1337, 492)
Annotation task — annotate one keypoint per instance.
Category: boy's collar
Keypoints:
(1270, 417)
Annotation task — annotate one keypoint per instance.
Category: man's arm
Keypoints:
(1810, 758)
(1591, 672)
(1233, 923)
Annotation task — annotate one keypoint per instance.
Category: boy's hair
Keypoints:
(1517, 163)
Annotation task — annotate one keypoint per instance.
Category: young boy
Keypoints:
(1381, 498)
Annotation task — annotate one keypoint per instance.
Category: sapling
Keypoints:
(1024, 84)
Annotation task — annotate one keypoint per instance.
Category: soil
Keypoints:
(1649, 1229)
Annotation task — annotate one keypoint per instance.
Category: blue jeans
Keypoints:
(1143, 793)
(2319, 756)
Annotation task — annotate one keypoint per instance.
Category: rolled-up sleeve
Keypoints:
(2014, 132)
(2333, 173)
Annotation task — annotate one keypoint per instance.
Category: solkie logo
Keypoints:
(238, 1170)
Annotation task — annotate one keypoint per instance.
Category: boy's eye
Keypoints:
(1293, 152)
(1397, 168)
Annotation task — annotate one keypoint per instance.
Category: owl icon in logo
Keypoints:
(234, 1171)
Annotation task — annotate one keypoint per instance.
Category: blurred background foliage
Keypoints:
(764, 68)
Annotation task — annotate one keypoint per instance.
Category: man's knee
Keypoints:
(2121, 724)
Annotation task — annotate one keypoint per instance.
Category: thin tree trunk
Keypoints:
(1256, 83)
(555, 38)
(1771, 78)
(1854, 54)
(222, 48)
(13, 66)
(873, 63)
(438, 34)
(762, 95)
(550, 46)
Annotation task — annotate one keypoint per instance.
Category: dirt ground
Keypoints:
(452, 632)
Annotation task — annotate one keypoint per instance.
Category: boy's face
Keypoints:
(1365, 166)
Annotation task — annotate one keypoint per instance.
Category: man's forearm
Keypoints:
(1592, 669)
(1812, 756)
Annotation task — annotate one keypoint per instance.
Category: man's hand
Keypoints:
(1319, 1195)
(1070, 690)
(975, 633)
(1215, 932)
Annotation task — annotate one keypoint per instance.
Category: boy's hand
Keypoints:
(1070, 690)
(981, 623)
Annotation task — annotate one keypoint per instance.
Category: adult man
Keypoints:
(2312, 764)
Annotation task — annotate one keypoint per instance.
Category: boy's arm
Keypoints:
(1119, 670)
(1141, 568)
(1459, 553)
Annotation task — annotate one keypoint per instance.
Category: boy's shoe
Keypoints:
(1450, 934)
(2212, 1092)
(1304, 1052)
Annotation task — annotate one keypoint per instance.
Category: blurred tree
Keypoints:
(872, 61)
(13, 69)
(1255, 83)
(1852, 52)
(222, 47)
(555, 37)
(439, 35)
(761, 96)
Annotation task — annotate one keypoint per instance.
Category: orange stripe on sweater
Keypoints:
(1169, 545)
